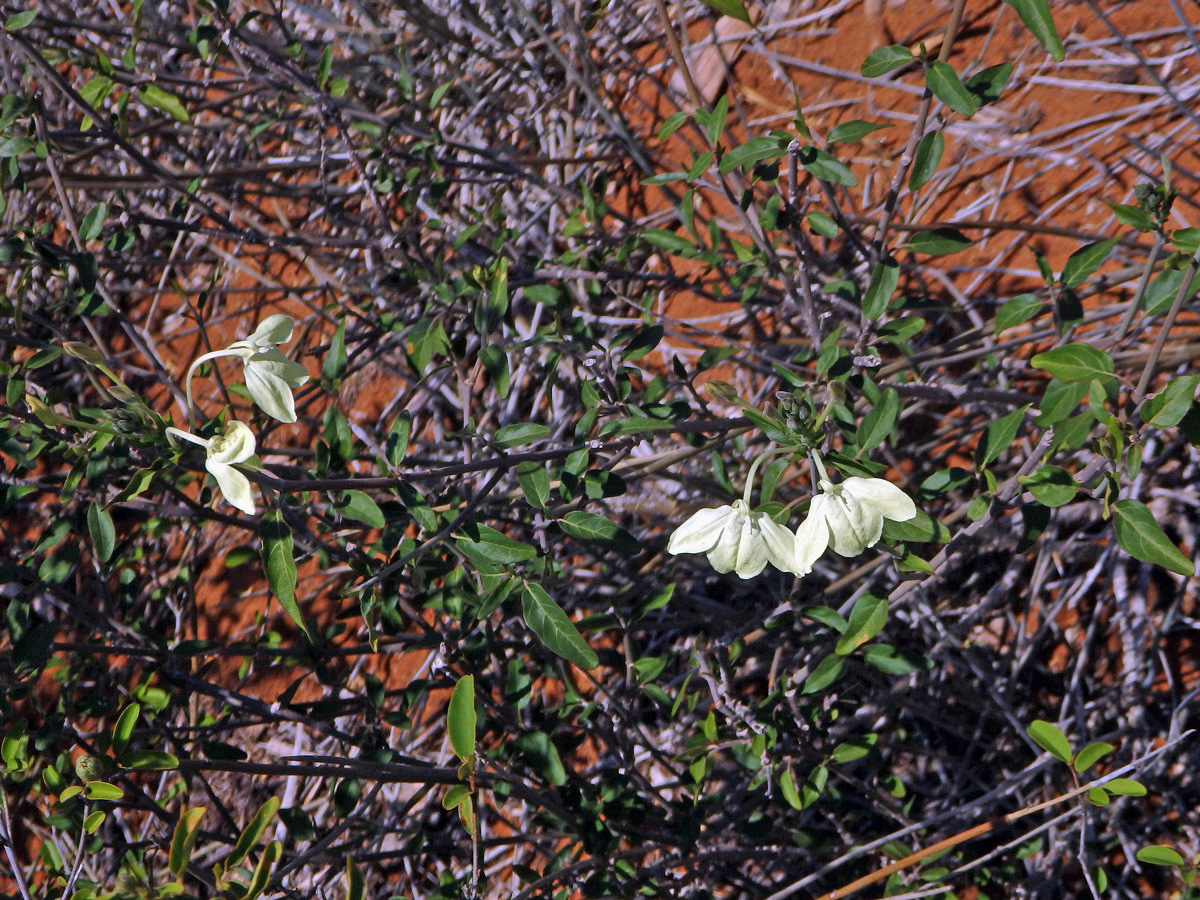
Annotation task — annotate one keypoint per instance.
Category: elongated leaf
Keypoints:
(518, 434)
(262, 872)
(541, 754)
(489, 545)
(187, 829)
(927, 159)
(102, 532)
(123, 729)
(753, 151)
(1167, 408)
(1017, 311)
(852, 132)
(149, 760)
(252, 833)
(866, 620)
(938, 241)
(535, 483)
(1076, 362)
(1051, 486)
(102, 790)
(826, 167)
(1084, 262)
(735, 9)
(878, 423)
(153, 95)
(826, 673)
(944, 82)
(333, 367)
(1049, 738)
(599, 530)
(354, 880)
(1091, 754)
(998, 436)
(884, 60)
(460, 717)
(1141, 537)
(93, 223)
(1125, 787)
(1036, 16)
(361, 508)
(884, 279)
(987, 85)
(1159, 855)
(280, 566)
(547, 620)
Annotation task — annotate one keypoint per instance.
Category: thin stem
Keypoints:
(1185, 290)
(6, 838)
(187, 381)
(188, 436)
(1136, 302)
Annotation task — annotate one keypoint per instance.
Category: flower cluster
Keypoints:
(847, 517)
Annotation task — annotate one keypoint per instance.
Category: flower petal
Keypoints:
(723, 556)
(779, 542)
(700, 532)
(812, 537)
(884, 496)
(234, 446)
(851, 523)
(233, 484)
(752, 553)
(274, 329)
(271, 393)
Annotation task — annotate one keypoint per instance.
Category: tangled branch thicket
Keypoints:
(517, 239)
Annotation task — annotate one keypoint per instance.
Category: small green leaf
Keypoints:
(333, 367)
(884, 279)
(153, 95)
(397, 439)
(94, 820)
(598, 530)
(943, 81)
(1049, 738)
(542, 756)
(280, 566)
(1076, 362)
(93, 223)
(878, 423)
(927, 159)
(1159, 855)
(822, 224)
(489, 545)
(535, 482)
(457, 794)
(1084, 262)
(547, 620)
(826, 167)
(1036, 16)
(753, 151)
(123, 729)
(149, 760)
(1165, 409)
(1017, 311)
(735, 9)
(460, 718)
(102, 790)
(1140, 537)
(519, 434)
(1098, 796)
(852, 132)
(252, 833)
(987, 85)
(102, 532)
(888, 659)
(1133, 216)
(671, 124)
(1125, 787)
(1051, 486)
(787, 787)
(354, 880)
(938, 242)
(361, 508)
(826, 673)
(20, 20)
(884, 60)
(866, 620)
(1089, 755)
(1059, 401)
(998, 436)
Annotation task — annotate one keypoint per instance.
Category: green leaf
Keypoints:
(397, 439)
(424, 341)
(102, 790)
(1161, 292)
(888, 659)
(735, 9)
(822, 224)
(826, 616)
(598, 530)
(102, 532)
(153, 95)
(1084, 262)
(361, 508)
(998, 435)
(1098, 796)
(489, 545)
(542, 756)
(262, 872)
(826, 673)
(354, 880)
(1049, 738)
(1160, 855)
(547, 620)
(642, 342)
(987, 85)
(1165, 409)
(183, 840)
(333, 367)
(884, 60)
(495, 360)
(1076, 362)
(668, 240)
(93, 223)
(787, 787)
(1036, 16)
(713, 122)
(123, 729)
(884, 279)
(1133, 216)
(149, 760)
(826, 167)
(94, 820)
(1017, 311)
(1059, 401)
(519, 434)
(866, 620)
(20, 20)
(456, 794)
(852, 132)
(878, 423)
(671, 124)
(1089, 755)
(1140, 537)
(460, 718)
(1051, 486)
(252, 833)
(1125, 787)
(753, 151)
(938, 242)
(927, 159)
(535, 483)
(14, 146)
(943, 81)
(280, 566)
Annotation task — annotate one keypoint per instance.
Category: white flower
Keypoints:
(270, 376)
(236, 445)
(736, 540)
(849, 517)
